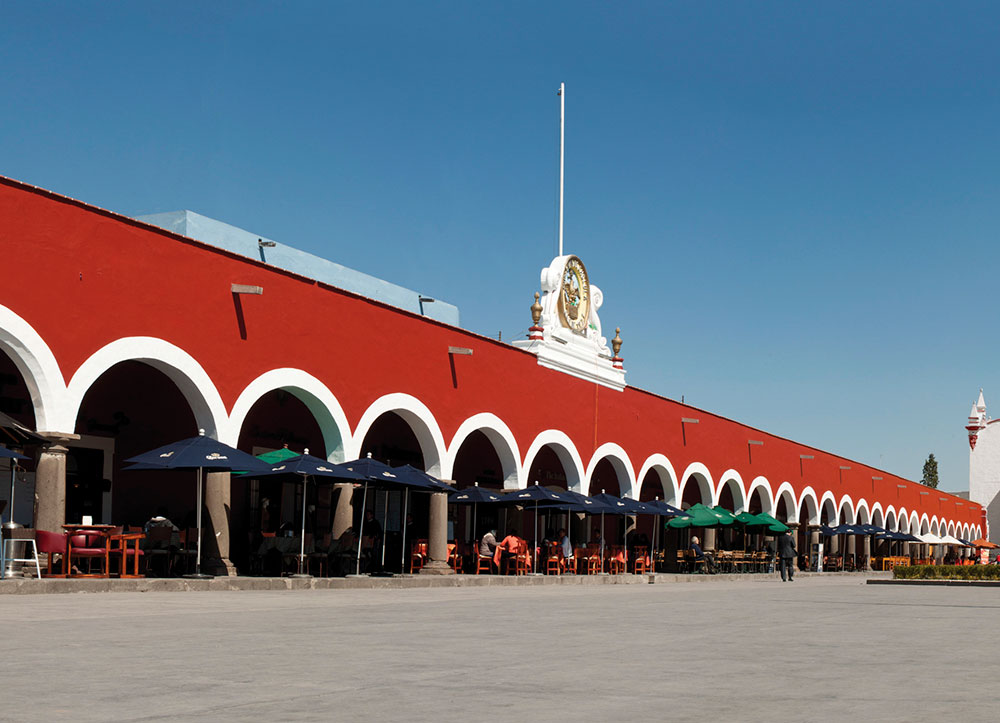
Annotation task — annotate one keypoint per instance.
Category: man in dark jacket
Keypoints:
(786, 556)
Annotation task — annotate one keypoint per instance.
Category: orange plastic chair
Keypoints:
(641, 565)
(418, 556)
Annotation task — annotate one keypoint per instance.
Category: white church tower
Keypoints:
(984, 462)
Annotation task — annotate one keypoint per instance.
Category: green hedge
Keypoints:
(946, 572)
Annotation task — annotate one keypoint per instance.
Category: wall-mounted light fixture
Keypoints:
(460, 350)
(688, 420)
(247, 289)
(261, 243)
(424, 300)
(843, 467)
(755, 442)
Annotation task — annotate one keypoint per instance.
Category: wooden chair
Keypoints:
(694, 564)
(591, 558)
(640, 565)
(418, 556)
(319, 557)
(123, 546)
(454, 557)
(554, 563)
(484, 563)
(89, 546)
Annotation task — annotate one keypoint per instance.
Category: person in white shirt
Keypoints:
(567, 546)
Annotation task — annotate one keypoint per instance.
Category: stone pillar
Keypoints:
(709, 540)
(814, 539)
(437, 537)
(866, 550)
(343, 515)
(215, 536)
(833, 542)
(50, 483)
(852, 545)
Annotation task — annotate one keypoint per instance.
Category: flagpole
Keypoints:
(562, 157)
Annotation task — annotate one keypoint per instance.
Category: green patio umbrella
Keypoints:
(773, 524)
(275, 456)
(701, 516)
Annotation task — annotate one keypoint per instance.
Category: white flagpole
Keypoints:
(562, 156)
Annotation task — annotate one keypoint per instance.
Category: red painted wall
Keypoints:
(85, 277)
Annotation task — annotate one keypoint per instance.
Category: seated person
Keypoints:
(342, 555)
(509, 546)
(567, 546)
(488, 546)
(160, 520)
(598, 541)
(701, 555)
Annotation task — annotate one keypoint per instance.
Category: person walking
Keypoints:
(786, 556)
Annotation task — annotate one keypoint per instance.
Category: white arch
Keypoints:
(786, 491)
(861, 514)
(934, 526)
(808, 496)
(309, 390)
(766, 497)
(702, 478)
(564, 448)
(37, 366)
(621, 464)
(899, 521)
(924, 523)
(732, 478)
(878, 516)
(979, 532)
(849, 517)
(662, 467)
(499, 435)
(965, 532)
(183, 370)
(951, 528)
(425, 428)
(829, 498)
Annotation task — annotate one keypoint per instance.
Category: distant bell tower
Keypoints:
(984, 463)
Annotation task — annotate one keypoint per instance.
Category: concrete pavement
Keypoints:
(821, 648)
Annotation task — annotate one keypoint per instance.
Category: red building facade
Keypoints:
(129, 336)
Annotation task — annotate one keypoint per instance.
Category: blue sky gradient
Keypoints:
(791, 208)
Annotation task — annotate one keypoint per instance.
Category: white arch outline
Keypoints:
(564, 448)
(727, 477)
(848, 519)
(321, 402)
(808, 493)
(862, 504)
(662, 466)
(703, 478)
(499, 435)
(828, 497)
(792, 507)
(761, 482)
(183, 370)
(38, 368)
(877, 508)
(622, 465)
(416, 414)
(923, 523)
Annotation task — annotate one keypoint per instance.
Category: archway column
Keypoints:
(437, 536)
(215, 538)
(50, 482)
(343, 516)
(709, 539)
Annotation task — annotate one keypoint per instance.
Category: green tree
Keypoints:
(930, 477)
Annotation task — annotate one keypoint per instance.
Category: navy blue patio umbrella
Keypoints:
(540, 496)
(306, 466)
(621, 506)
(382, 476)
(10, 454)
(662, 509)
(201, 453)
(475, 496)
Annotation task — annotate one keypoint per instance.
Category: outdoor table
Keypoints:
(103, 530)
(284, 545)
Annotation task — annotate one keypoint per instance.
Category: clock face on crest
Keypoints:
(574, 296)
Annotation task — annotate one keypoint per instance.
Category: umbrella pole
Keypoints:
(402, 554)
(534, 548)
(197, 564)
(361, 528)
(13, 475)
(474, 541)
(302, 538)
(385, 519)
(600, 547)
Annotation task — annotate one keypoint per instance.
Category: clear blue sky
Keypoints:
(792, 210)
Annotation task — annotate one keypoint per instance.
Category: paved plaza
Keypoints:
(817, 649)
